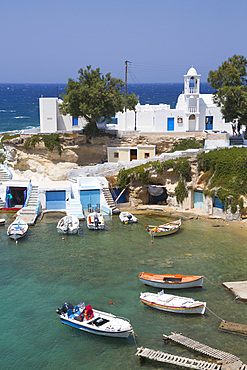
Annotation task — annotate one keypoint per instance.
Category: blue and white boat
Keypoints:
(17, 229)
(94, 321)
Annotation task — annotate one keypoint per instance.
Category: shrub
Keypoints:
(185, 144)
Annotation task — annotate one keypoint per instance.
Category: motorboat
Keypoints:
(95, 221)
(17, 229)
(173, 303)
(94, 321)
(2, 221)
(165, 229)
(169, 281)
(68, 225)
(127, 218)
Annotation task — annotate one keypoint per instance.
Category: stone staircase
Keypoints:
(109, 199)
(5, 175)
(29, 212)
(73, 205)
(236, 140)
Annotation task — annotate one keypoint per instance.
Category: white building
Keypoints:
(194, 112)
(51, 120)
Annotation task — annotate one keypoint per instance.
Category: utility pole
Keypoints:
(126, 74)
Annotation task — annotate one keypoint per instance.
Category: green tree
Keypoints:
(95, 96)
(229, 82)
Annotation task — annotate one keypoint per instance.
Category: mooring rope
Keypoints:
(216, 315)
(210, 281)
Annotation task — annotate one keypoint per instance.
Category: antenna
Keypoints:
(126, 74)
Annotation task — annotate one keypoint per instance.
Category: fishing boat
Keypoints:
(165, 229)
(68, 225)
(94, 321)
(17, 229)
(95, 221)
(169, 281)
(127, 218)
(173, 303)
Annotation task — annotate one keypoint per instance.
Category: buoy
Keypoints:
(63, 238)
(152, 241)
(111, 302)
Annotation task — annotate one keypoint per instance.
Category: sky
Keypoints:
(48, 41)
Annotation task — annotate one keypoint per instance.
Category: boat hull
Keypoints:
(191, 307)
(17, 229)
(68, 225)
(127, 218)
(80, 326)
(196, 283)
(166, 229)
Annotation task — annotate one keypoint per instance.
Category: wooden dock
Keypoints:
(202, 348)
(233, 327)
(151, 354)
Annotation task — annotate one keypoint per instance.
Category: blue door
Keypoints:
(217, 203)
(170, 124)
(209, 122)
(74, 121)
(55, 199)
(198, 199)
(89, 197)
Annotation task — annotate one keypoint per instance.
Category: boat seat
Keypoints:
(77, 310)
(70, 314)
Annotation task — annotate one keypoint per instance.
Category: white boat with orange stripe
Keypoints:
(170, 281)
(173, 303)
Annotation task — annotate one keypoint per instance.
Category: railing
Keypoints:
(8, 170)
(28, 193)
(37, 208)
(191, 90)
(193, 109)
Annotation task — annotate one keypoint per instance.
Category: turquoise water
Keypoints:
(43, 271)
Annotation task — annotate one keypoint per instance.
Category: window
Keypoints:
(147, 155)
(116, 155)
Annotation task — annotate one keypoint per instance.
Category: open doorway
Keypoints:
(15, 197)
(157, 194)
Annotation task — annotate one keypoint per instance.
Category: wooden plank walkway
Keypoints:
(197, 346)
(176, 360)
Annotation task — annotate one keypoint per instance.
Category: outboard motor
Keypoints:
(96, 221)
(65, 308)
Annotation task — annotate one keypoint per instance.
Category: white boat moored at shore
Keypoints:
(127, 218)
(68, 225)
(95, 221)
(17, 229)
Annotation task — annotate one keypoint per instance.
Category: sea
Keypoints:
(101, 268)
(19, 103)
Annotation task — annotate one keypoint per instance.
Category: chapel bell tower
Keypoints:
(191, 95)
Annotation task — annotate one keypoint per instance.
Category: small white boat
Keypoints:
(17, 229)
(95, 221)
(2, 221)
(173, 303)
(127, 218)
(68, 225)
(94, 321)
